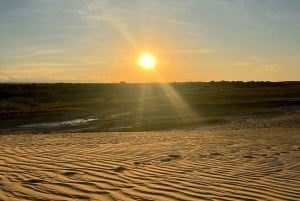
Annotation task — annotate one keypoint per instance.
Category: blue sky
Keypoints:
(193, 40)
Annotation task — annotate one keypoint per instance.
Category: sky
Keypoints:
(192, 40)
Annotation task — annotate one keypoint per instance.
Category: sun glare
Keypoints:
(147, 61)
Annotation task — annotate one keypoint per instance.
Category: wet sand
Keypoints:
(202, 164)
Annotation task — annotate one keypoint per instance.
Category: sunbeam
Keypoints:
(122, 29)
(183, 110)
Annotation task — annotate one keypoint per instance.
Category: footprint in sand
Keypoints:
(249, 156)
(33, 181)
(120, 169)
(166, 159)
(69, 174)
(174, 156)
(214, 154)
(170, 158)
(137, 163)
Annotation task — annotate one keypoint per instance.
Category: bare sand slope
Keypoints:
(175, 165)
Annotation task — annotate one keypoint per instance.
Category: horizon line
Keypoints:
(172, 82)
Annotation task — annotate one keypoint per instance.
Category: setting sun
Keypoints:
(147, 61)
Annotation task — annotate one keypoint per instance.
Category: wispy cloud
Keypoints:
(36, 52)
(34, 66)
(271, 67)
(168, 20)
(42, 52)
(48, 72)
(191, 51)
(249, 61)
(258, 63)
(194, 34)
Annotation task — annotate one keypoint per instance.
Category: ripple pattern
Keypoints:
(175, 165)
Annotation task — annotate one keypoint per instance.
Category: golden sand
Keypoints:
(173, 165)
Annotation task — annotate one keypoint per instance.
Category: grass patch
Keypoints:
(150, 103)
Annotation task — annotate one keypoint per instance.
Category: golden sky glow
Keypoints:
(98, 40)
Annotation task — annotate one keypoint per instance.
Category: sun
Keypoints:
(147, 61)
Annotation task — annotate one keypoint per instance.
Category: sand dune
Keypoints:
(219, 164)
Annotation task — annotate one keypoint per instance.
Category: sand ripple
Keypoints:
(179, 165)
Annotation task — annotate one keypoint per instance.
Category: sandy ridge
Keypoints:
(175, 165)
